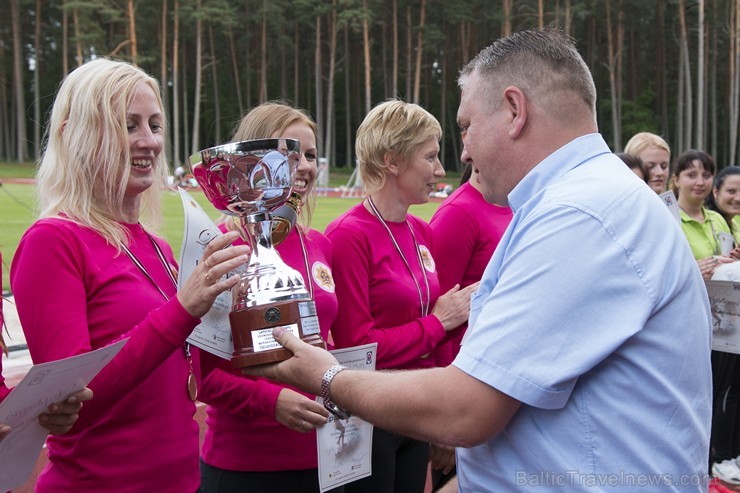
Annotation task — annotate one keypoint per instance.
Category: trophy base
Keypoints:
(251, 330)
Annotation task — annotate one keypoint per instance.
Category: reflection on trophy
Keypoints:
(251, 179)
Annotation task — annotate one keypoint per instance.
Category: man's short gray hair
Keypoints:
(542, 63)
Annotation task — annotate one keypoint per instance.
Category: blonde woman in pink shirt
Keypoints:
(88, 273)
(387, 282)
(261, 435)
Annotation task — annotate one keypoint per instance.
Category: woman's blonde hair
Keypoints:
(85, 167)
(269, 120)
(641, 141)
(394, 128)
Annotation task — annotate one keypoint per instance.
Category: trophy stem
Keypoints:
(259, 228)
(267, 278)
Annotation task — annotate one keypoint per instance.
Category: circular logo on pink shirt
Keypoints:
(321, 274)
(426, 258)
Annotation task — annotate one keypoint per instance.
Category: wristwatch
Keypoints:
(325, 386)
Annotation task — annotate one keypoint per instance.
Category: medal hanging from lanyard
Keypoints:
(423, 304)
(192, 384)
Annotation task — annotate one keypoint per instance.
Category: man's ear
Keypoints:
(516, 104)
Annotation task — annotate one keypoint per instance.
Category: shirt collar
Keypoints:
(557, 164)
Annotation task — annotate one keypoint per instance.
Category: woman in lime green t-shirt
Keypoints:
(692, 183)
(725, 199)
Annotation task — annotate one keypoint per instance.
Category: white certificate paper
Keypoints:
(213, 334)
(43, 385)
(345, 446)
(724, 299)
(669, 199)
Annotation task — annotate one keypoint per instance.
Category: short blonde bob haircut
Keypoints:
(269, 120)
(393, 129)
(641, 141)
(85, 166)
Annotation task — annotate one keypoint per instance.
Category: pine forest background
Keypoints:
(667, 66)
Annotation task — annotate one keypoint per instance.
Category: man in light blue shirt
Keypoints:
(593, 316)
(586, 362)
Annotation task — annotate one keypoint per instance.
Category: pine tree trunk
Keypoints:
(38, 50)
(409, 50)
(263, 56)
(688, 104)
(235, 72)
(185, 107)
(163, 79)
(78, 37)
(318, 79)
(613, 77)
(132, 30)
(175, 85)
(394, 83)
(506, 23)
(699, 139)
(348, 126)
(195, 138)
(540, 14)
(329, 131)
(419, 51)
(734, 81)
(296, 67)
(366, 50)
(20, 99)
(65, 38)
(661, 80)
(214, 75)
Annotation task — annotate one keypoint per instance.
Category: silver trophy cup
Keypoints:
(250, 180)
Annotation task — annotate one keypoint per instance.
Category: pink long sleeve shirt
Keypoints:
(378, 298)
(242, 433)
(4, 390)
(74, 293)
(466, 231)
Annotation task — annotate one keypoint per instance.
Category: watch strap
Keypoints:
(325, 389)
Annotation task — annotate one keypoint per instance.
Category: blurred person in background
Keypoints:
(692, 183)
(655, 155)
(635, 164)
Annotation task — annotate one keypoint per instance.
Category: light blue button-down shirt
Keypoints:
(593, 314)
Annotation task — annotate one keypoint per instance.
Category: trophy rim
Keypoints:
(246, 147)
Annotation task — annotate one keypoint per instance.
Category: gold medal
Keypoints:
(192, 387)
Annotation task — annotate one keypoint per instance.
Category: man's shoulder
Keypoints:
(602, 186)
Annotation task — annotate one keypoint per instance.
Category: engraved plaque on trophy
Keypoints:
(250, 180)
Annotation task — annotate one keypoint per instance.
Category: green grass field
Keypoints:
(17, 204)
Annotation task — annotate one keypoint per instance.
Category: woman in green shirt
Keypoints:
(725, 199)
(692, 183)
